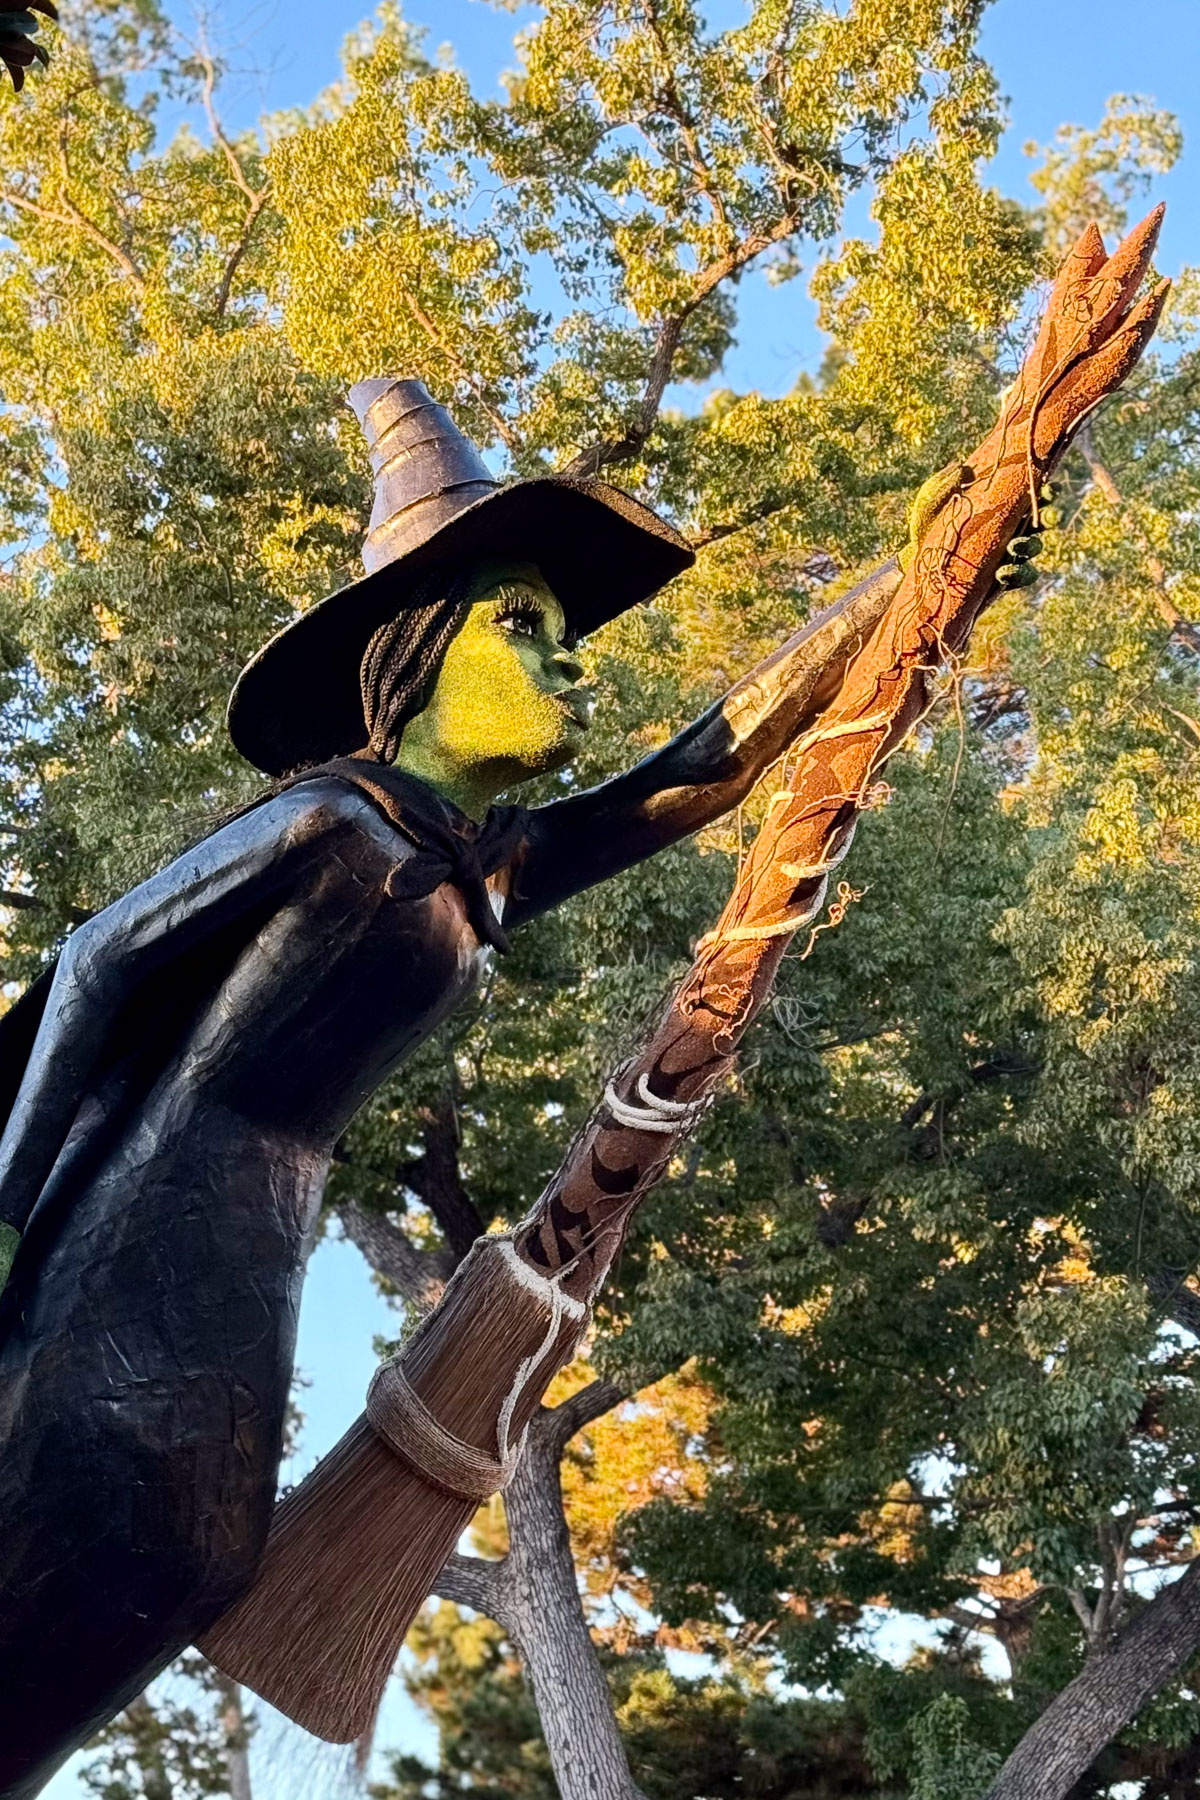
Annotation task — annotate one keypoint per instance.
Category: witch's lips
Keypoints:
(578, 707)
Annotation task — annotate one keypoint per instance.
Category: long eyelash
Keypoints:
(518, 606)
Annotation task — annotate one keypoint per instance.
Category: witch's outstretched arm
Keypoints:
(709, 768)
(234, 875)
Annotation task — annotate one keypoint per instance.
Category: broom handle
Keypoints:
(1089, 341)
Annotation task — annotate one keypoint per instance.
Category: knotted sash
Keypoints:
(452, 846)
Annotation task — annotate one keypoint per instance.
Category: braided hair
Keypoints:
(401, 662)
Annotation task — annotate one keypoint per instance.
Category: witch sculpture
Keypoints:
(205, 1040)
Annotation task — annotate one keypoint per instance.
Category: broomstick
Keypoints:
(357, 1547)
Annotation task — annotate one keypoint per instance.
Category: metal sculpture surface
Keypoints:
(18, 29)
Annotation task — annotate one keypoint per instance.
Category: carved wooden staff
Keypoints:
(355, 1550)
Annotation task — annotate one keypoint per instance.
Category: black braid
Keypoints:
(401, 661)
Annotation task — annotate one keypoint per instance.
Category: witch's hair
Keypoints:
(401, 662)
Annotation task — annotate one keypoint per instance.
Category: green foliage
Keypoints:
(170, 1748)
(946, 1760)
(915, 1266)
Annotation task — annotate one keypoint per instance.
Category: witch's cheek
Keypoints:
(533, 720)
(513, 717)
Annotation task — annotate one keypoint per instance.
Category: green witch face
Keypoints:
(507, 703)
(450, 657)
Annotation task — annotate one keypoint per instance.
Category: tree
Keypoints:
(978, 1093)
(167, 1749)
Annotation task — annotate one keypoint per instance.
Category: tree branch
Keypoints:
(256, 198)
(78, 915)
(500, 425)
(419, 1275)
(589, 1404)
(475, 1582)
(1110, 1691)
(436, 1179)
(670, 101)
(589, 462)
(1168, 1288)
(72, 216)
(232, 262)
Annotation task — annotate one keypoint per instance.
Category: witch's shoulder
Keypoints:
(323, 806)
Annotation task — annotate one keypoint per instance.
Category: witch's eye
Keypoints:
(523, 618)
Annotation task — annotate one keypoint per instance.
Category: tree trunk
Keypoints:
(237, 1737)
(542, 1611)
(532, 1593)
(1105, 1696)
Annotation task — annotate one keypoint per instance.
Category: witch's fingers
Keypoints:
(1118, 281)
(1086, 257)
(1017, 575)
(1082, 262)
(1091, 293)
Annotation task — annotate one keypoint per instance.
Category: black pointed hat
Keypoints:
(299, 701)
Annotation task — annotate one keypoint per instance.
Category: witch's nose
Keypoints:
(568, 666)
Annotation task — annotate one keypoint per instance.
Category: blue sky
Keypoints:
(1058, 60)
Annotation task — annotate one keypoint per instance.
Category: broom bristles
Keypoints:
(355, 1550)
(353, 1554)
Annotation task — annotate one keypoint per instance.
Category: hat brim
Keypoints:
(299, 700)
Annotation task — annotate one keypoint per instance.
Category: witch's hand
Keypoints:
(10, 1237)
(1018, 569)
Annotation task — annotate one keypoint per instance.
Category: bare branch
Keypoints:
(1169, 1289)
(204, 57)
(256, 198)
(968, 1620)
(419, 1275)
(1084, 1613)
(671, 103)
(436, 1178)
(72, 216)
(78, 915)
(498, 422)
(589, 462)
(589, 1404)
(475, 1582)
(240, 248)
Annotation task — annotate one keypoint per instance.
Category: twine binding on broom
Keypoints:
(792, 921)
(396, 1412)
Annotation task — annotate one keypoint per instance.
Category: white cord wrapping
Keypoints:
(561, 1306)
(791, 921)
(655, 1113)
(396, 1411)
